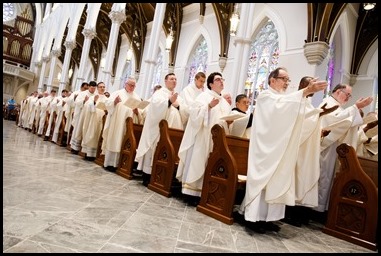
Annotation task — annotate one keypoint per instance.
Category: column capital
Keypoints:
(117, 16)
(316, 52)
(70, 45)
(89, 33)
(45, 58)
(56, 52)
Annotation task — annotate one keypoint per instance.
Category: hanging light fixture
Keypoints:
(234, 21)
(129, 54)
(70, 72)
(169, 40)
(130, 51)
(369, 6)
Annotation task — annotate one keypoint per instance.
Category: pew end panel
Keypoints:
(353, 205)
(227, 159)
(128, 150)
(166, 160)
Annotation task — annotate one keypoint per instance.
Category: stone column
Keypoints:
(152, 49)
(42, 74)
(55, 54)
(89, 35)
(242, 42)
(117, 18)
(69, 45)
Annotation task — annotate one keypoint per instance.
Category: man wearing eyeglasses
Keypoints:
(273, 151)
(343, 124)
(197, 142)
(115, 124)
(166, 104)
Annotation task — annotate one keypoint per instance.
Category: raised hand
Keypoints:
(363, 102)
(117, 100)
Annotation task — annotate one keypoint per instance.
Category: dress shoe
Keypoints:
(270, 226)
(89, 158)
(292, 222)
(146, 179)
(75, 152)
(137, 173)
(256, 226)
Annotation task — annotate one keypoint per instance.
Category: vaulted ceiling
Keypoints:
(321, 21)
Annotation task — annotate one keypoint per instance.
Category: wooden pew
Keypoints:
(100, 158)
(353, 205)
(227, 160)
(166, 160)
(128, 151)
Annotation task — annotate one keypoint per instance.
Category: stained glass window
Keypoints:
(331, 69)
(126, 74)
(158, 69)
(198, 60)
(264, 54)
(9, 12)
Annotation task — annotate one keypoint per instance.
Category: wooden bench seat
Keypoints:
(353, 205)
(166, 160)
(226, 162)
(128, 151)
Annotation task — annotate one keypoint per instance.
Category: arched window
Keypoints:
(9, 11)
(198, 60)
(158, 69)
(264, 54)
(331, 69)
(127, 73)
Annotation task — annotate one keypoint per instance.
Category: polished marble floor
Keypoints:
(54, 201)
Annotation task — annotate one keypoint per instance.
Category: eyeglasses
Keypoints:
(346, 93)
(131, 85)
(285, 79)
(219, 79)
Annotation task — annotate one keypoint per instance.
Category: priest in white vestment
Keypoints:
(69, 108)
(197, 143)
(165, 104)
(32, 109)
(273, 151)
(343, 124)
(92, 123)
(51, 110)
(44, 105)
(241, 127)
(81, 108)
(115, 125)
(60, 109)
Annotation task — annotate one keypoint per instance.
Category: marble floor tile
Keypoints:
(56, 202)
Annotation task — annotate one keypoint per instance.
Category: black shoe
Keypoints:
(137, 173)
(89, 158)
(146, 179)
(292, 222)
(270, 226)
(191, 200)
(111, 168)
(239, 218)
(75, 152)
(256, 226)
(46, 138)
